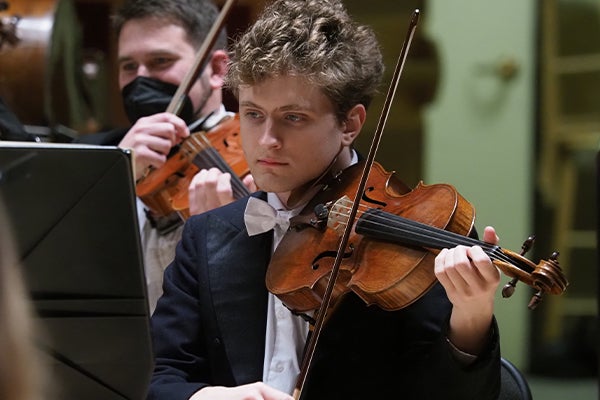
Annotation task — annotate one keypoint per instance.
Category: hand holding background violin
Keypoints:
(151, 139)
(470, 279)
(211, 188)
(183, 184)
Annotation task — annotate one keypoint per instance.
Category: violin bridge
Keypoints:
(339, 214)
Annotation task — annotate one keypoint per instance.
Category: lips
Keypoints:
(270, 162)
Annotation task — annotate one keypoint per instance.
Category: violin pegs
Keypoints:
(527, 244)
(535, 300)
(509, 288)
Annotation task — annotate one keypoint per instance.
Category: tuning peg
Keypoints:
(535, 300)
(509, 289)
(527, 244)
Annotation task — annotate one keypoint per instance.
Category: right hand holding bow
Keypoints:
(151, 139)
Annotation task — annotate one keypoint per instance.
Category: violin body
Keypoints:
(379, 272)
(165, 190)
(389, 256)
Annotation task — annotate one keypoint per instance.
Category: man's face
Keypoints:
(289, 131)
(158, 49)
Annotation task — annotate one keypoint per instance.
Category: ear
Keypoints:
(354, 122)
(218, 65)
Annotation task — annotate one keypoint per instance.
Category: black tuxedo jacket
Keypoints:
(209, 329)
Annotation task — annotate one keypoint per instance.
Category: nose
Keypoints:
(270, 136)
(143, 71)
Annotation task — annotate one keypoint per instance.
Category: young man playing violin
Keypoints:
(157, 45)
(304, 75)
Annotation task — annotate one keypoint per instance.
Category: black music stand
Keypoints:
(74, 219)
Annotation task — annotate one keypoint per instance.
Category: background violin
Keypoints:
(165, 190)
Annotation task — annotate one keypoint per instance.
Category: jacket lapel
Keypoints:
(237, 268)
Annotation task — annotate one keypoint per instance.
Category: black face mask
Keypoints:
(147, 96)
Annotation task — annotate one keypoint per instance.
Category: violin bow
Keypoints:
(178, 99)
(320, 320)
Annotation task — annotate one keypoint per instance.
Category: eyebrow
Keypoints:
(155, 53)
(123, 59)
(288, 107)
(248, 104)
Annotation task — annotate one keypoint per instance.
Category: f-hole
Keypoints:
(370, 200)
(330, 253)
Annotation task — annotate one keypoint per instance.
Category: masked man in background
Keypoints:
(157, 44)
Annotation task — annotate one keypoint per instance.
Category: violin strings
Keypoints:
(438, 237)
(238, 188)
(207, 153)
(422, 233)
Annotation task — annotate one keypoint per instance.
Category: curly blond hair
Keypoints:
(314, 39)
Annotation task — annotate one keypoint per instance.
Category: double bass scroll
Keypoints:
(26, 30)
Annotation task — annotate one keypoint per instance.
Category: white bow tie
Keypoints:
(261, 217)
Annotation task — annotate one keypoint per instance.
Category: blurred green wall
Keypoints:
(480, 130)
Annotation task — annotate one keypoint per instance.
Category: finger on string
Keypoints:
(483, 265)
(460, 267)
(440, 270)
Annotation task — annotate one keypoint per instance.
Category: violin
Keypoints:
(165, 190)
(389, 258)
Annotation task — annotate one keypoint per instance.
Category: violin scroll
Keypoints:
(545, 277)
(548, 277)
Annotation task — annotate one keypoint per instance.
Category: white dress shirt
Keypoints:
(286, 332)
